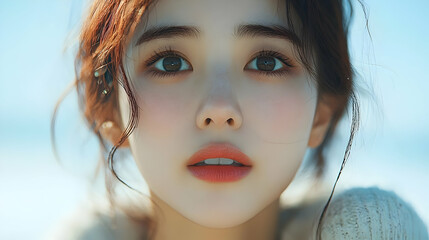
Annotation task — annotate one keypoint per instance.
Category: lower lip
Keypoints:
(219, 173)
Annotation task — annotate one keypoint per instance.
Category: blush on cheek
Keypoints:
(284, 118)
(161, 114)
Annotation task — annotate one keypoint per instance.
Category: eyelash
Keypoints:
(263, 53)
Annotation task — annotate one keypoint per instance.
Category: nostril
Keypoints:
(208, 120)
(230, 121)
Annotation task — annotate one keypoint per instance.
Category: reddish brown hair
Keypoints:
(323, 30)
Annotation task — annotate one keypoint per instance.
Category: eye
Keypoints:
(270, 63)
(170, 63)
(167, 63)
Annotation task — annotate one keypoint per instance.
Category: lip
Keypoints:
(220, 150)
(218, 173)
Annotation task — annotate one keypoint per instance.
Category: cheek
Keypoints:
(281, 116)
(163, 121)
(163, 113)
(287, 111)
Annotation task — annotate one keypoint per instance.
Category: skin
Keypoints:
(275, 119)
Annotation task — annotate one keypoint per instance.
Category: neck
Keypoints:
(173, 226)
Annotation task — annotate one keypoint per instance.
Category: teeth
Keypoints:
(220, 161)
(213, 161)
(224, 161)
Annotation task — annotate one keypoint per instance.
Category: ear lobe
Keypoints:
(111, 131)
(321, 122)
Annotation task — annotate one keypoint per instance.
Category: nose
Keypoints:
(219, 110)
(219, 116)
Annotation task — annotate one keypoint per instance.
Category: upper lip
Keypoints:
(220, 150)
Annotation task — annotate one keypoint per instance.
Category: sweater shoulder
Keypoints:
(356, 213)
(372, 213)
(96, 222)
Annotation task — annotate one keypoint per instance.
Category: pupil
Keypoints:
(265, 63)
(171, 64)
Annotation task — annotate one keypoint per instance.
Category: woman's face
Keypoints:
(217, 75)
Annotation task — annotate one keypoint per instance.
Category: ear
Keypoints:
(321, 121)
(110, 130)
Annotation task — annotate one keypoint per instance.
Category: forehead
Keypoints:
(215, 17)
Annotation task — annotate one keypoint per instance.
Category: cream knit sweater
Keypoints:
(358, 213)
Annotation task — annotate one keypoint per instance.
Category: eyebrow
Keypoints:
(242, 30)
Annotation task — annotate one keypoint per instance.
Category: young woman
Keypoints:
(218, 101)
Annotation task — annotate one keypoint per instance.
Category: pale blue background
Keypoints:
(391, 151)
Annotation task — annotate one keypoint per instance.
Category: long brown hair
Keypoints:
(323, 30)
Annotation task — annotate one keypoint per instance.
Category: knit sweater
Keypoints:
(358, 213)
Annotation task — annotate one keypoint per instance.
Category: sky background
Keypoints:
(37, 42)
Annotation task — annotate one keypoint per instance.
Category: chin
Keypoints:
(220, 216)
